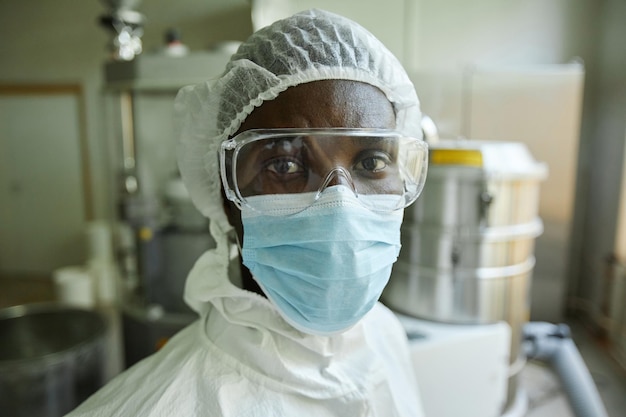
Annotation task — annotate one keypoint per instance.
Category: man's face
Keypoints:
(321, 104)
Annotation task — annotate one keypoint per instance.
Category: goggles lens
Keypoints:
(307, 161)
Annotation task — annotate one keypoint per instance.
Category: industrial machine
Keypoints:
(461, 286)
(159, 233)
(466, 263)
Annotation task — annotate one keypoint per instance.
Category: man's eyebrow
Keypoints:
(371, 140)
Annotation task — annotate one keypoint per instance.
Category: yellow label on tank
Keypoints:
(466, 157)
(145, 234)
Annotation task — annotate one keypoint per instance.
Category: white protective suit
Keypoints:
(241, 358)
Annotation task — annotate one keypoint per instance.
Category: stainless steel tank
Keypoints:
(52, 358)
(468, 241)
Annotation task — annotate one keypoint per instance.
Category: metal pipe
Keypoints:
(129, 147)
(552, 344)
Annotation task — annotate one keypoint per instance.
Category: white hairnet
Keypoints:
(308, 46)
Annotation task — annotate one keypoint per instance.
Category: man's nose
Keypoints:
(338, 176)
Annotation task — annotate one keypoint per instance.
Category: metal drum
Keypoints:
(468, 241)
(441, 247)
(51, 359)
(465, 296)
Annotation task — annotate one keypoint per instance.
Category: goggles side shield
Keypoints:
(278, 162)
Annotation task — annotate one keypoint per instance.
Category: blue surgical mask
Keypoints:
(325, 267)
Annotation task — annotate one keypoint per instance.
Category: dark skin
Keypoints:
(318, 104)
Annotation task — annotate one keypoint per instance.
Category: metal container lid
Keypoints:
(45, 333)
(496, 159)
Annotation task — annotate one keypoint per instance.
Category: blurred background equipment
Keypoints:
(126, 25)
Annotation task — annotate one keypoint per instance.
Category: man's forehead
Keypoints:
(323, 104)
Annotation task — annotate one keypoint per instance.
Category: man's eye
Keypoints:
(372, 164)
(283, 166)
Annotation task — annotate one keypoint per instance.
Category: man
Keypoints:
(314, 132)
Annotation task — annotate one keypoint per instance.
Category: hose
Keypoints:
(552, 344)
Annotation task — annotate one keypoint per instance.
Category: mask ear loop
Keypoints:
(235, 239)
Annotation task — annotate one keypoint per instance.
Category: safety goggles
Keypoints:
(278, 162)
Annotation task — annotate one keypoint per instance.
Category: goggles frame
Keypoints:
(230, 148)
